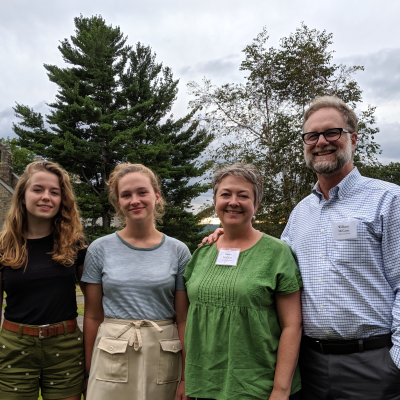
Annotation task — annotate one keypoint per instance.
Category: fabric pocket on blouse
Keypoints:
(170, 361)
(112, 365)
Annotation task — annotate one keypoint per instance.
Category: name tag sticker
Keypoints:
(344, 230)
(228, 257)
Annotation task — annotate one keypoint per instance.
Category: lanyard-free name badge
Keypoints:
(228, 257)
(345, 230)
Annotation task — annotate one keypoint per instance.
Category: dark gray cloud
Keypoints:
(389, 139)
(380, 80)
(221, 68)
(7, 118)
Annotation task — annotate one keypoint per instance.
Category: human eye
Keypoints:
(332, 133)
(311, 137)
(55, 193)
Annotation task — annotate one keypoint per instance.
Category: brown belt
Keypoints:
(42, 331)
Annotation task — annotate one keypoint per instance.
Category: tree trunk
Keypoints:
(106, 219)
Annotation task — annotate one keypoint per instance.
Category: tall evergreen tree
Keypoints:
(113, 105)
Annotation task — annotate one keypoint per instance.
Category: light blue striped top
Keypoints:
(351, 287)
(138, 283)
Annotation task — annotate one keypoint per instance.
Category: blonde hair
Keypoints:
(68, 231)
(348, 114)
(126, 168)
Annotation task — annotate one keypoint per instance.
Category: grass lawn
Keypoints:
(78, 290)
(81, 308)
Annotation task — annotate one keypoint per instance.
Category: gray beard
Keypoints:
(326, 168)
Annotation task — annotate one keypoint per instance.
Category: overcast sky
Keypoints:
(205, 38)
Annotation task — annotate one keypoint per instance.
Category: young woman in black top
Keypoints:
(42, 249)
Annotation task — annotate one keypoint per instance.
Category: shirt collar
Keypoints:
(344, 186)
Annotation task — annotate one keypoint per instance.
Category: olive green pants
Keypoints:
(54, 364)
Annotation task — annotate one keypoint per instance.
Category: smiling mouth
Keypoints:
(324, 152)
(233, 212)
(45, 207)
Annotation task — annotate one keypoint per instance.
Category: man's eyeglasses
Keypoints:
(330, 135)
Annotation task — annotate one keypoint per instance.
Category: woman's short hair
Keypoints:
(241, 170)
(126, 168)
(67, 232)
(348, 114)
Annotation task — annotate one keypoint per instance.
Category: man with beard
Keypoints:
(346, 237)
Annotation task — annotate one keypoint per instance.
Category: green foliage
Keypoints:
(260, 121)
(113, 105)
(21, 157)
(389, 173)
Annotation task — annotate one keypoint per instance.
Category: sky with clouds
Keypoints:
(204, 39)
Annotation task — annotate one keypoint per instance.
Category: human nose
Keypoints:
(234, 200)
(45, 195)
(134, 199)
(321, 141)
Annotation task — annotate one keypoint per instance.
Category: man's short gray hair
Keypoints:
(349, 115)
(241, 170)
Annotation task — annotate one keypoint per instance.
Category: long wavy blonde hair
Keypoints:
(68, 231)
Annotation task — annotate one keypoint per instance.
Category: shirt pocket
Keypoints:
(358, 251)
(112, 363)
(170, 361)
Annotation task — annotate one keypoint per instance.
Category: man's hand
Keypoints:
(180, 395)
(213, 237)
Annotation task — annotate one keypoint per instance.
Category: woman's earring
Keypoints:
(253, 218)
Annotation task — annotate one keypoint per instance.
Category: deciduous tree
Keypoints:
(260, 121)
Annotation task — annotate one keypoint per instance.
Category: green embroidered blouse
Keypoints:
(232, 330)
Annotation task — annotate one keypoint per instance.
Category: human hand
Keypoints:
(279, 395)
(213, 237)
(180, 395)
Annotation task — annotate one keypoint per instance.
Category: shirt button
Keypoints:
(173, 347)
(340, 197)
(111, 348)
(319, 280)
(326, 208)
(322, 230)
(322, 307)
(321, 255)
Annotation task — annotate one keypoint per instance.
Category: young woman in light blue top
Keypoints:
(136, 302)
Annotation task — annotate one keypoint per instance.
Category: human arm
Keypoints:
(79, 272)
(390, 220)
(181, 309)
(289, 314)
(93, 317)
(1, 296)
(213, 237)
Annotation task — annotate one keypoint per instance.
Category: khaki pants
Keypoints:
(135, 359)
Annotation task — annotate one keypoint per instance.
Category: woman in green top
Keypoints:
(243, 328)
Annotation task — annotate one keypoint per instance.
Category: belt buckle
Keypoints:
(40, 330)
